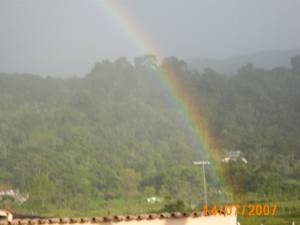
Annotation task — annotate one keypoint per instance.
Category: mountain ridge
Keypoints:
(267, 59)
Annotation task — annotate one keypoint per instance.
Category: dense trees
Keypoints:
(117, 134)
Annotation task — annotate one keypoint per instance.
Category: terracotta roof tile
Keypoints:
(165, 215)
(153, 216)
(176, 214)
(186, 214)
(131, 217)
(97, 219)
(196, 214)
(53, 220)
(61, 220)
(33, 221)
(74, 220)
(85, 220)
(23, 222)
(108, 218)
(14, 222)
(69, 220)
(119, 218)
(142, 217)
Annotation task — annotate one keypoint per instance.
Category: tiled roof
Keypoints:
(70, 220)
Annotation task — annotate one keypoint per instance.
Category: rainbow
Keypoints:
(182, 97)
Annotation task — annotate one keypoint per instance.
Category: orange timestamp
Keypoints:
(242, 210)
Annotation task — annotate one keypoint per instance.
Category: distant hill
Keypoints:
(263, 59)
(105, 142)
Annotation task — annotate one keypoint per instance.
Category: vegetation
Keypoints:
(103, 143)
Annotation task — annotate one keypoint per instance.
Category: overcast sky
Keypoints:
(66, 37)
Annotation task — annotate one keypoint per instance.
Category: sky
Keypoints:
(66, 37)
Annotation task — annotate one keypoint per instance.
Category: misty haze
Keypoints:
(135, 107)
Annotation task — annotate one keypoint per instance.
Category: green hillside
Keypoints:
(105, 142)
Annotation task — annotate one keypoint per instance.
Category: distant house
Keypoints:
(14, 194)
(234, 156)
(153, 200)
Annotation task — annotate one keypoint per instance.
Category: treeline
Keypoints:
(117, 135)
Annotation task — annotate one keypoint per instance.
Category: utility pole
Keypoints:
(203, 163)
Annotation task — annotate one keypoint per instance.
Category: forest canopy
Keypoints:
(80, 144)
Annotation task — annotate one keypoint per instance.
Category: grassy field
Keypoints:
(269, 220)
(287, 211)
